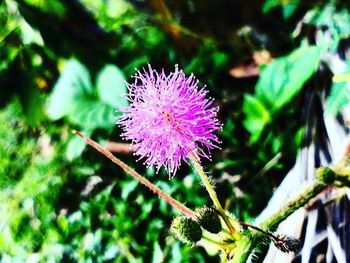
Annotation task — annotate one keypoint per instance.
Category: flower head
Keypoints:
(168, 118)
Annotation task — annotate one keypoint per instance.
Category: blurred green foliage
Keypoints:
(84, 105)
(63, 65)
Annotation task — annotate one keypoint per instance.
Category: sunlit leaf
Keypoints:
(92, 114)
(176, 252)
(157, 253)
(111, 252)
(336, 20)
(55, 7)
(128, 188)
(283, 78)
(74, 83)
(111, 86)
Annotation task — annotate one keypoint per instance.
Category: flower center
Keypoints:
(167, 115)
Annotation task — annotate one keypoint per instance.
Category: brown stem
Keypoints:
(163, 11)
(183, 209)
(118, 147)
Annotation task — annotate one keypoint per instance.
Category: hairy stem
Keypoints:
(245, 248)
(302, 199)
(212, 193)
(183, 209)
(337, 176)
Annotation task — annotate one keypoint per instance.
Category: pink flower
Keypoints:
(168, 118)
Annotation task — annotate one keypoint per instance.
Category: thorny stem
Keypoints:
(302, 199)
(341, 179)
(273, 221)
(267, 233)
(212, 193)
(246, 225)
(342, 176)
(183, 209)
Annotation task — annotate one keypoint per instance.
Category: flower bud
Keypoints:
(186, 229)
(286, 244)
(209, 219)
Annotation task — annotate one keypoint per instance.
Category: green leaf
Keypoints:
(29, 34)
(74, 97)
(270, 4)
(111, 86)
(289, 9)
(336, 19)
(257, 117)
(228, 128)
(226, 164)
(128, 188)
(76, 146)
(338, 98)
(111, 252)
(73, 83)
(283, 78)
(219, 59)
(32, 103)
(137, 63)
(92, 114)
(176, 255)
(288, 6)
(54, 7)
(157, 253)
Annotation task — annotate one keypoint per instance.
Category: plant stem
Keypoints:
(302, 199)
(214, 242)
(183, 209)
(245, 248)
(324, 179)
(342, 176)
(212, 193)
(118, 147)
(246, 225)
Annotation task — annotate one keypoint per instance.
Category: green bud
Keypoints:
(325, 175)
(186, 229)
(209, 219)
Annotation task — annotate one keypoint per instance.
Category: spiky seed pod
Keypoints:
(286, 244)
(209, 219)
(186, 229)
(326, 175)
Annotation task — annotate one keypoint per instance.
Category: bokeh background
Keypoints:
(63, 64)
